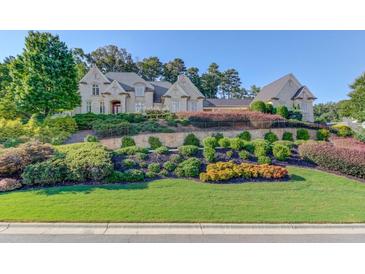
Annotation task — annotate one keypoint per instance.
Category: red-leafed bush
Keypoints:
(229, 118)
(8, 184)
(349, 143)
(341, 159)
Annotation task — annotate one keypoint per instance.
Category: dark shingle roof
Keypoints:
(161, 87)
(127, 79)
(271, 90)
(226, 102)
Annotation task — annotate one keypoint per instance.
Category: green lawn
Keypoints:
(311, 196)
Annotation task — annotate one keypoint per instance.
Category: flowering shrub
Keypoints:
(8, 184)
(223, 171)
(329, 156)
(226, 118)
(349, 143)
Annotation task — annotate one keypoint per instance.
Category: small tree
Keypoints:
(258, 106)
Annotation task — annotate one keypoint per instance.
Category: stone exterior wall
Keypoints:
(177, 139)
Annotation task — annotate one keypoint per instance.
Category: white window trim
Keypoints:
(102, 107)
(95, 90)
(88, 106)
(139, 90)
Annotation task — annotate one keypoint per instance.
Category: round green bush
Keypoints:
(191, 140)
(243, 154)
(258, 106)
(141, 156)
(282, 111)
(281, 152)
(209, 154)
(154, 167)
(302, 134)
(188, 150)
(210, 142)
(176, 158)
(150, 174)
(128, 163)
(127, 141)
(271, 137)
(245, 135)
(169, 166)
(322, 134)
(224, 142)
(154, 142)
(236, 143)
(164, 173)
(287, 136)
(263, 160)
(134, 175)
(162, 150)
(188, 168)
(90, 138)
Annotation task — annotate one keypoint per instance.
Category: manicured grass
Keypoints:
(311, 196)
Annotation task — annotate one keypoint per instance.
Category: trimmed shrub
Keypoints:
(224, 171)
(302, 134)
(87, 161)
(289, 144)
(249, 146)
(8, 184)
(154, 167)
(282, 111)
(348, 142)
(263, 160)
(91, 138)
(128, 163)
(243, 154)
(130, 150)
(224, 142)
(127, 141)
(343, 130)
(108, 129)
(151, 175)
(323, 134)
(176, 158)
(271, 137)
(14, 160)
(236, 143)
(209, 154)
(169, 166)
(143, 164)
(210, 142)
(188, 150)
(340, 159)
(65, 124)
(229, 154)
(134, 175)
(191, 140)
(162, 150)
(287, 136)
(261, 147)
(49, 172)
(154, 142)
(141, 156)
(163, 173)
(281, 152)
(245, 135)
(188, 168)
(259, 106)
(115, 177)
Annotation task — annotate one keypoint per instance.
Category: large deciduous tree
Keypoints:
(150, 68)
(210, 81)
(7, 105)
(326, 112)
(357, 98)
(44, 77)
(173, 69)
(112, 58)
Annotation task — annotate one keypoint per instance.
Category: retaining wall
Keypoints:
(176, 139)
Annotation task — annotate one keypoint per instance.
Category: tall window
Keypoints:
(102, 107)
(304, 107)
(139, 90)
(139, 107)
(88, 106)
(193, 106)
(175, 107)
(95, 89)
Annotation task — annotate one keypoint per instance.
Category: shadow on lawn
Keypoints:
(87, 189)
(296, 178)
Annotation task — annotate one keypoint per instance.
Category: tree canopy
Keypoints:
(150, 68)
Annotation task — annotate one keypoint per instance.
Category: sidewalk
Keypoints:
(176, 229)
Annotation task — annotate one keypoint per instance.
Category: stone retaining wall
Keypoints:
(176, 139)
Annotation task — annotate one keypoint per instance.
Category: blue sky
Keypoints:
(326, 61)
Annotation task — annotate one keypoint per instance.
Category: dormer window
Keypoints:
(139, 90)
(95, 90)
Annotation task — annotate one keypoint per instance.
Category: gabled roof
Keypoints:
(226, 102)
(127, 79)
(300, 92)
(161, 87)
(186, 87)
(94, 69)
(272, 90)
(112, 86)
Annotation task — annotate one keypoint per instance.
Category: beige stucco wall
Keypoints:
(177, 139)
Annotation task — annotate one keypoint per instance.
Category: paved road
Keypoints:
(309, 238)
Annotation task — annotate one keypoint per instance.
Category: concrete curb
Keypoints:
(176, 229)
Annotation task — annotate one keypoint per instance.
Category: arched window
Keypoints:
(95, 89)
(102, 107)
